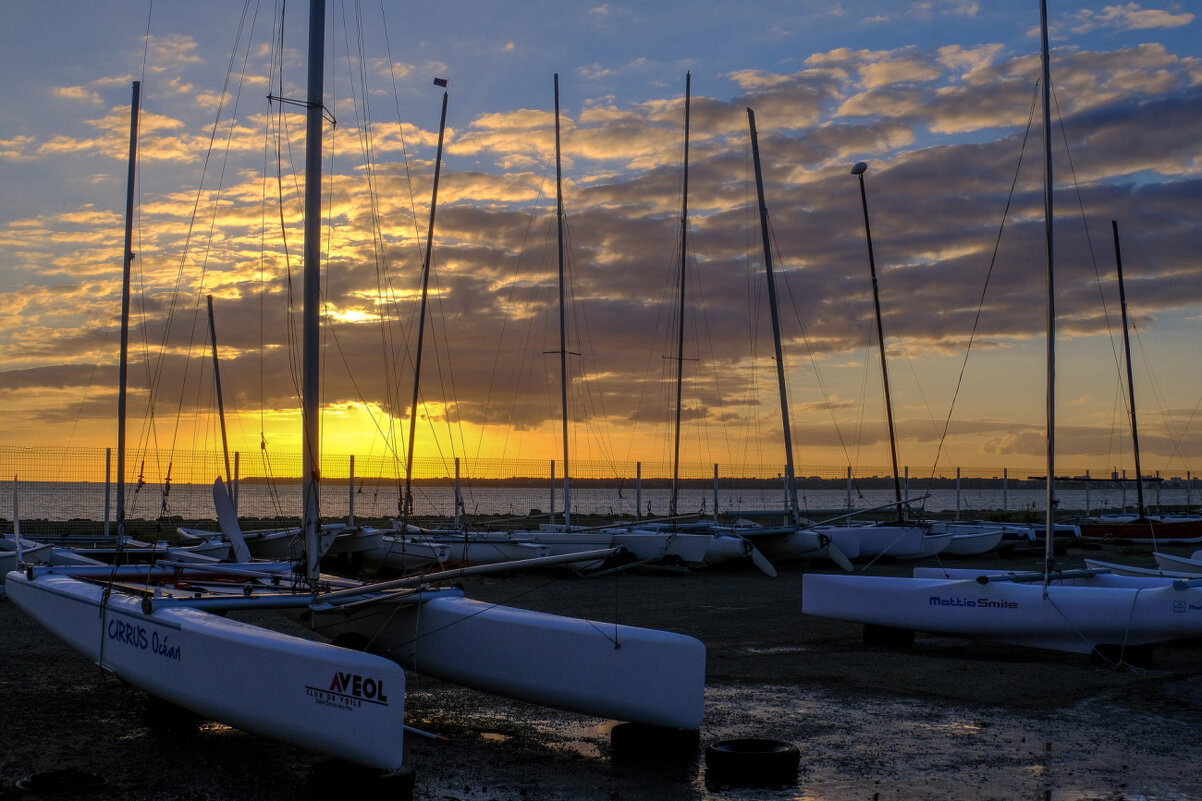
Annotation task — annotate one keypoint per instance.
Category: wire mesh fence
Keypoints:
(76, 487)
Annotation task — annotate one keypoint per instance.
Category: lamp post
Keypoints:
(858, 170)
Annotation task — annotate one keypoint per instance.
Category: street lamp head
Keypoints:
(860, 168)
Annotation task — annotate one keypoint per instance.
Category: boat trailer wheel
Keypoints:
(752, 762)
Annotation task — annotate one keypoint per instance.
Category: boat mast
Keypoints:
(225, 445)
(311, 345)
(1139, 476)
(128, 258)
(790, 481)
(421, 324)
(858, 170)
(684, 238)
(1045, 56)
(563, 336)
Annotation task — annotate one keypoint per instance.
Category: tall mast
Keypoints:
(128, 258)
(421, 324)
(1045, 55)
(859, 170)
(563, 334)
(225, 445)
(311, 317)
(1139, 477)
(790, 480)
(684, 239)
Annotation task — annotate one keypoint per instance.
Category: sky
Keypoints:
(939, 98)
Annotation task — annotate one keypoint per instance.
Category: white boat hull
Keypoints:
(805, 543)
(32, 553)
(973, 543)
(601, 669)
(333, 700)
(1076, 616)
(885, 540)
(662, 546)
(1132, 570)
(1181, 564)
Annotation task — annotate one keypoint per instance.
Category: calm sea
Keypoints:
(87, 501)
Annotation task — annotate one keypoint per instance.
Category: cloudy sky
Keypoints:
(936, 96)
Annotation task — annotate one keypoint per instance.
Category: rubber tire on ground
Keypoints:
(752, 762)
(169, 719)
(637, 742)
(875, 634)
(1136, 656)
(337, 778)
(64, 781)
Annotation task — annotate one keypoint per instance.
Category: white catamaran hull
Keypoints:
(900, 541)
(340, 702)
(1076, 616)
(602, 669)
(1191, 564)
(663, 546)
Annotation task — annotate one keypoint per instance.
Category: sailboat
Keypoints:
(676, 540)
(792, 539)
(408, 547)
(899, 537)
(640, 545)
(163, 628)
(333, 700)
(1140, 526)
(1076, 611)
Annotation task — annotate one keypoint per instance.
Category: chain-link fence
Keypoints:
(75, 488)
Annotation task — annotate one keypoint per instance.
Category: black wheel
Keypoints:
(1135, 656)
(887, 636)
(345, 779)
(67, 780)
(352, 641)
(637, 742)
(167, 718)
(752, 762)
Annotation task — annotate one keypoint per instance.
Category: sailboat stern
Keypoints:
(335, 701)
(624, 673)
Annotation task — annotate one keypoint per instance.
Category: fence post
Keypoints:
(1189, 484)
(350, 502)
(552, 492)
(108, 485)
(1123, 488)
(638, 489)
(957, 493)
(848, 487)
(1087, 506)
(1157, 490)
(458, 500)
(1005, 488)
(715, 492)
(237, 454)
(907, 481)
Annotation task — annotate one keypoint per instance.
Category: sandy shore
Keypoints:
(944, 719)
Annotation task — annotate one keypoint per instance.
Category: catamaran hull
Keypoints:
(1165, 530)
(1077, 615)
(804, 543)
(1182, 564)
(973, 543)
(405, 554)
(884, 540)
(660, 546)
(332, 700)
(601, 669)
(31, 553)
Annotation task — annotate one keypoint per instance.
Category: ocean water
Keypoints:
(63, 501)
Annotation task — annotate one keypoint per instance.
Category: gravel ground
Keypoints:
(943, 719)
